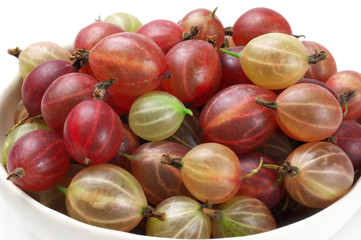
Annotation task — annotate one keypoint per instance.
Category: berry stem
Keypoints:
(15, 52)
(193, 33)
(213, 13)
(212, 213)
(79, 58)
(187, 111)
(16, 174)
(254, 171)
(60, 188)
(237, 55)
(264, 103)
(317, 57)
(149, 211)
(21, 122)
(101, 89)
(174, 162)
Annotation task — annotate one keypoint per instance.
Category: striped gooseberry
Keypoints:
(107, 196)
(37, 53)
(208, 23)
(126, 21)
(37, 160)
(38, 81)
(321, 71)
(165, 33)
(276, 60)
(156, 115)
(348, 137)
(196, 70)
(323, 173)
(18, 132)
(159, 181)
(93, 132)
(136, 61)
(256, 22)
(63, 95)
(241, 216)
(210, 171)
(345, 81)
(232, 118)
(183, 220)
(306, 112)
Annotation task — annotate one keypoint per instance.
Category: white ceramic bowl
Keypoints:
(59, 227)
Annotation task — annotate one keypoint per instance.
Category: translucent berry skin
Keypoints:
(38, 81)
(40, 52)
(159, 181)
(323, 70)
(42, 156)
(280, 57)
(107, 196)
(90, 35)
(126, 21)
(211, 171)
(156, 115)
(308, 112)
(184, 220)
(232, 118)
(325, 174)
(92, 132)
(256, 22)
(348, 137)
(63, 95)
(136, 61)
(196, 70)
(242, 216)
(208, 23)
(262, 185)
(344, 81)
(166, 34)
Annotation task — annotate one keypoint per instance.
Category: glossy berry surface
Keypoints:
(348, 137)
(208, 23)
(42, 156)
(242, 216)
(325, 173)
(308, 112)
(184, 220)
(63, 95)
(159, 181)
(211, 171)
(256, 22)
(344, 81)
(280, 57)
(106, 196)
(93, 132)
(38, 81)
(166, 34)
(195, 68)
(155, 116)
(136, 61)
(233, 118)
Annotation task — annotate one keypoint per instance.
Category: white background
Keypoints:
(334, 24)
